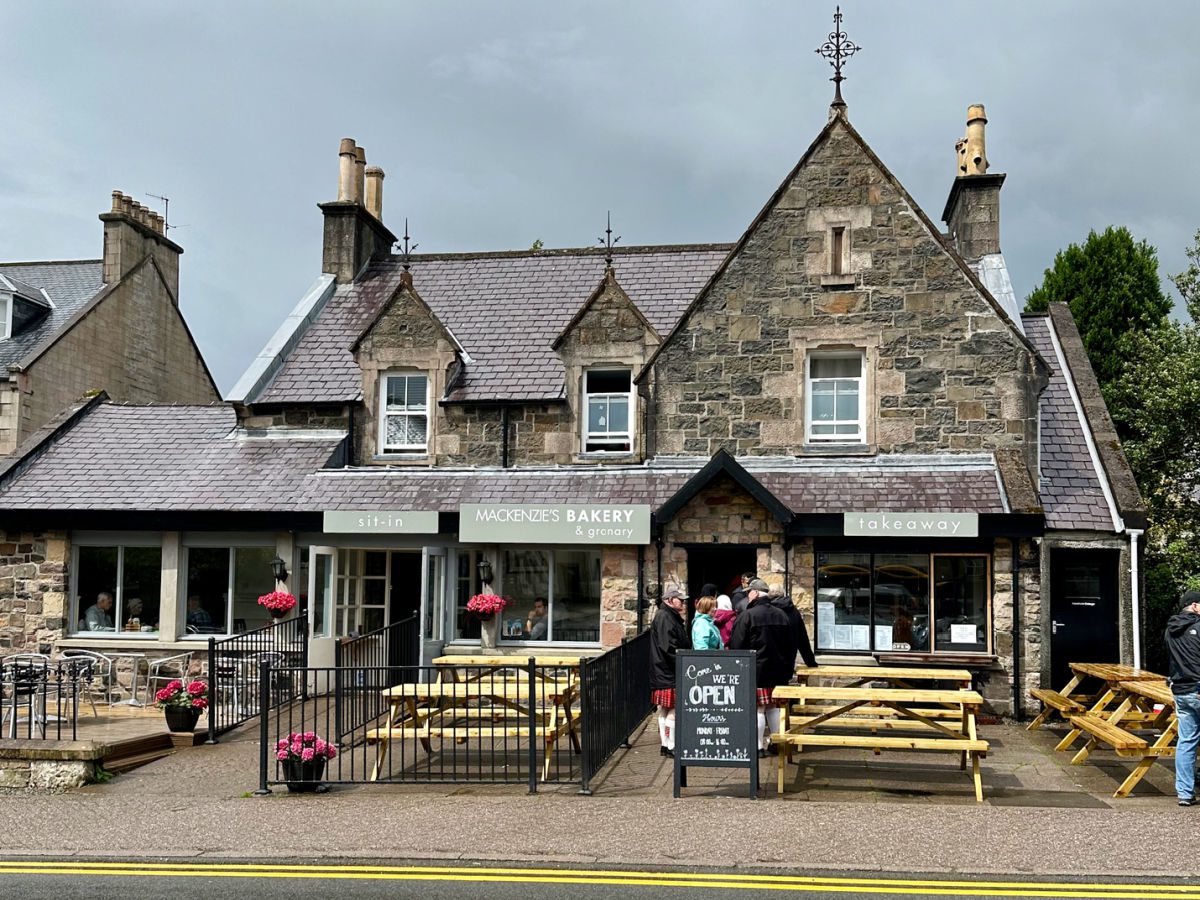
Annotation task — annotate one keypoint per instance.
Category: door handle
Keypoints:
(1054, 626)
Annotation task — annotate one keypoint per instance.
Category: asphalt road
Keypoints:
(92, 880)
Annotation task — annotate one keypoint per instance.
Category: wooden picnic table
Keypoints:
(923, 719)
(1069, 701)
(896, 676)
(477, 697)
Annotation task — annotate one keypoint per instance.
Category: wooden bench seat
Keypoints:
(454, 732)
(873, 723)
(878, 695)
(1124, 743)
(874, 712)
(881, 743)
(1052, 701)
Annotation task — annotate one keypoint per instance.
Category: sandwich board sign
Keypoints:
(716, 720)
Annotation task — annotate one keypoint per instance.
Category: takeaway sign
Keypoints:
(535, 523)
(886, 524)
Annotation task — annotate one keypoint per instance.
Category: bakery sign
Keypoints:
(538, 523)
(889, 524)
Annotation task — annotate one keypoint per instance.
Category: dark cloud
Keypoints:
(501, 123)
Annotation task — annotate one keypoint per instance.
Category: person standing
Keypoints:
(1183, 646)
(724, 617)
(740, 593)
(799, 632)
(765, 629)
(668, 635)
(705, 635)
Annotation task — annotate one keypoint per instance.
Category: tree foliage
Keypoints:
(1111, 284)
(1187, 282)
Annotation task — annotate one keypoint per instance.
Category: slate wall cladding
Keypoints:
(32, 590)
(944, 372)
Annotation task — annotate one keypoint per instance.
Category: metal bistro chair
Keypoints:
(23, 676)
(166, 670)
(100, 680)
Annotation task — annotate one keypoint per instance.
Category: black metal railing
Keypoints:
(234, 693)
(614, 699)
(393, 651)
(518, 724)
(39, 699)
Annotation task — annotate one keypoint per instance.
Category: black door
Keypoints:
(404, 635)
(722, 565)
(1083, 610)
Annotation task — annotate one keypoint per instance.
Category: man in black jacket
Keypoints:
(1183, 645)
(765, 629)
(799, 632)
(668, 634)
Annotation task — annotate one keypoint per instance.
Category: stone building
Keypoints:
(113, 324)
(846, 401)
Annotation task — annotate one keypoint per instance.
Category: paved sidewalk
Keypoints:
(871, 814)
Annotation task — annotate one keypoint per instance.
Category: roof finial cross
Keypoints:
(837, 49)
(406, 253)
(608, 242)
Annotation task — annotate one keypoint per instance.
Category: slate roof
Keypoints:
(70, 286)
(505, 309)
(1072, 495)
(160, 457)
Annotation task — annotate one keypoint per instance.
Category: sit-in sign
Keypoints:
(533, 523)
(889, 524)
(380, 521)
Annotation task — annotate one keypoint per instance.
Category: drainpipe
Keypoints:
(641, 590)
(787, 567)
(658, 542)
(1016, 592)
(1135, 594)
(504, 437)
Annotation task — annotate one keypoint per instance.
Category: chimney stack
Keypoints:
(374, 195)
(973, 209)
(354, 229)
(131, 233)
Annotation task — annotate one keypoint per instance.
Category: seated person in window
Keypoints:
(133, 610)
(97, 617)
(537, 624)
(197, 615)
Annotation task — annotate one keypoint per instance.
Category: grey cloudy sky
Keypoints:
(501, 123)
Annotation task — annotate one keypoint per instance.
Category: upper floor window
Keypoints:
(836, 398)
(608, 411)
(404, 412)
(6, 302)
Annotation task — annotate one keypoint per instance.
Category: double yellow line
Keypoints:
(711, 880)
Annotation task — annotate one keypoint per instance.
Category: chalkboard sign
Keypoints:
(716, 720)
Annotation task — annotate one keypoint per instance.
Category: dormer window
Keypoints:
(608, 411)
(5, 316)
(404, 412)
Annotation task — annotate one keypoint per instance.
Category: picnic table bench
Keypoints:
(484, 698)
(941, 719)
(1069, 701)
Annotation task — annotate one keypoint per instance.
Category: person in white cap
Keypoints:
(668, 634)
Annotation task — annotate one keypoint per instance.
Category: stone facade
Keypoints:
(33, 598)
(943, 370)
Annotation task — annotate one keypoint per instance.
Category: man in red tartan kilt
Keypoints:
(668, 634)
(765, 629)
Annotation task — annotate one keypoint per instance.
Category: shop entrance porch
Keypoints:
(719, 564)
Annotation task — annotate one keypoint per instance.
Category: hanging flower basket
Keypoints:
(484, 606)
(277, 603)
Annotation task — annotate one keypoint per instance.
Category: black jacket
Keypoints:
(1183, 645)
(667, 634)
(765, 629)
(738, 600)
(799, 632)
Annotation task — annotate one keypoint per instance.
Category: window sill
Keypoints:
(605, 456)
(77, 642)
(832, 449)
(403, 459)
(948, 658)
(838, 281)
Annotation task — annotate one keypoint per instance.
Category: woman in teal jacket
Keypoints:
(705, 635)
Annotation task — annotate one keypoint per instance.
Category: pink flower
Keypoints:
(330, 751)
(319, 746)
(307, 754)
(163, 695)
(197, 687)
(309, 737)
(199, 703)
(296, 748)
(282, 755)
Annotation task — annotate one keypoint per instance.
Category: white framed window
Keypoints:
(836, 398)
(117, 586)
(6, 309)
(608, 411)
(404, 412)
(222, 587)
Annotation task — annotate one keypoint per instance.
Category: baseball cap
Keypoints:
(674, 593)
(759, 585)
(1188, 598)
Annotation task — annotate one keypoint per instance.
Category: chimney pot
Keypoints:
(976, 155)
(127, 205)
(346, 157)
(374, 195)
(117, 196)
(360, 168)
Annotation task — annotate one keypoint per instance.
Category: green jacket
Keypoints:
(704, 634)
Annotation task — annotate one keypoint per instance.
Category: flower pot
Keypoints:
(181, 718)
(277, 613)
(303, 777)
